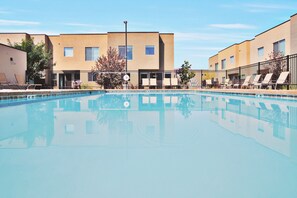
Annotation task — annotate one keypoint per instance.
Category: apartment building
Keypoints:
(281, 38)
(13, 62)
(150, 55)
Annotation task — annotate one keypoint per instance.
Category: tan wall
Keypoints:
(138, 41)
(167, 58)
(226, 54)
(13, 37)
(17, 66)
(212, 62)
(267, 39)
(243, 54)
(79, 43)
(40, 38)
(294, 34)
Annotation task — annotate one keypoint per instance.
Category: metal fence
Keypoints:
(238, 75)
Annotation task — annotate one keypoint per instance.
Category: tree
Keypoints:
(109, 69)
(185, 73)
(277, 64)
(38, 57)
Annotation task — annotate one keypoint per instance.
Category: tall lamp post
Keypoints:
(126, 77)
(126, 45)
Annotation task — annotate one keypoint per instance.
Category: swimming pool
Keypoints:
(149, 145)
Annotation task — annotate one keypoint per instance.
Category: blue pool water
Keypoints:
(144, 145)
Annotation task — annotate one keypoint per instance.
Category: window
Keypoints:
(231, 59)
(217, 66)
(92, 77)
(260, 53)
(68, 51)
(224, 64)
(280, 46)
(122, 52)
(149, 50)
(167, 75)
(92, 53)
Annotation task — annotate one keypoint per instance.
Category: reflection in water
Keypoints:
(102, 120)
(193, 145)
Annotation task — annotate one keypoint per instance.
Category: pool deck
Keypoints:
(13, 94)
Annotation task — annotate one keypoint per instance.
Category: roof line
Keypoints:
(12, 47)
(273, 28)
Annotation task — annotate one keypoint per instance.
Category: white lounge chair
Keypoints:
(267, 80)
(193, 83)
(247, 82)
(174, 82)
(153, 82)
(166, 82)
(256, 81)
(282, 79)
(209, 83)
(145, 82)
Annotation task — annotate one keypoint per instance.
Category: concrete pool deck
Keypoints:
(14, 94)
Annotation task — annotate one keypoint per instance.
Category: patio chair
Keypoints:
(174, 82)
(256, 81)
(153, 82)
(166, 82)
(209, 83)
(19, 84)
(247, 82)
(3, 79)
(282, 79)
(267, 80)
(193, 83)
(145, 82)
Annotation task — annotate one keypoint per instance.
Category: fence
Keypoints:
(237, 75)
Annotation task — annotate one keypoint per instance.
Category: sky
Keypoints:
(201, 28)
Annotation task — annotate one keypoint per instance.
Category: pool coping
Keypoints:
(16, 94)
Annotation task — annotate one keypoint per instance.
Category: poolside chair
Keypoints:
(256, 81)
(193, 83)
(247, 82)
(3, 79)
(166, 82)
(153, 82)
(174, 82)
(19, 84)
(145, 82)
(267, 80)
(282, 79)
(209, 83)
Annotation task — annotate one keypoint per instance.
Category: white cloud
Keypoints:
(17, 23)
(237, 26)
(260, 7)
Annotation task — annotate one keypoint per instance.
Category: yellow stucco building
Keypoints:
(281, 38)
(150, 55)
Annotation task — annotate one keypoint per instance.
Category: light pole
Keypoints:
(126, 45)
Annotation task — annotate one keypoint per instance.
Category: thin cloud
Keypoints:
(17, 23)
(260, 7)
(200, 48)
(237, 26)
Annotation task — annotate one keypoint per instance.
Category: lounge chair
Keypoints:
(19, 84)
(193, 83)
(174, 82)
(267, 80)
(209, 83)
(3, 79)
(145, 82)
(282, 79)
(247, 82)
(153, 82)
(166, 82)
(256, 81)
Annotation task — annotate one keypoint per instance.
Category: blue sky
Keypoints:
(201, 27)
